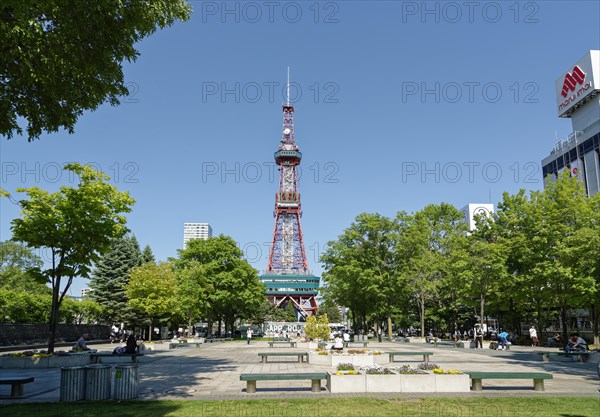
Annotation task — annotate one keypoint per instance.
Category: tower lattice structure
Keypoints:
(287, 277)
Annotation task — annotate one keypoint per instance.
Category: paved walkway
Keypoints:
(212, 372)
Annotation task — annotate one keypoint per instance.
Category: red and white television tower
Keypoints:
(287, 277)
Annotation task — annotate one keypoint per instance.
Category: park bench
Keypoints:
(299, 355)
(437, 342)
(17, 383)
(97, 357)
(538, 378)
(292, 343)
(582, 356)
(426, 355)
(315, 379)
(218, 339)
(347, 344)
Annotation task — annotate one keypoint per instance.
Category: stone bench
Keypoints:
(426, 355)
(299, 355)
(218, 339)
(292, 343)
(582, 356)
(97, 357)
(181, 344)
(17, 383)
(538, 378)
(315, 379)
(364, 344)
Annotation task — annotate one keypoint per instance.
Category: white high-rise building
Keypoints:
(85, 292)
(196, 231)
(473, 209)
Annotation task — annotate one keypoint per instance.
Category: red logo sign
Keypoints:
(571, 80)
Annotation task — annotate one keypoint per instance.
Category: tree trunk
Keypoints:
(389, 324)
(190, 325)
(563, 318)
(422, 314)
(54, 315)
(150, 332)
(595, 316)
(481, 308)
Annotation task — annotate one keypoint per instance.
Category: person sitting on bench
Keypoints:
(576, 344)
(338, 344)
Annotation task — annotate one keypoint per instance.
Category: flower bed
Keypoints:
(357, 357)
(348, 378)
(29, 360)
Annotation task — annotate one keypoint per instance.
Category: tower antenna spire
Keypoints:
(288, 87)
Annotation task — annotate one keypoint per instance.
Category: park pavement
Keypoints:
(212, 372)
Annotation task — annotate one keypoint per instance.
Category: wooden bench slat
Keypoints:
(282, 354)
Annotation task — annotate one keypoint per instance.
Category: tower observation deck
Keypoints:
(287, 277)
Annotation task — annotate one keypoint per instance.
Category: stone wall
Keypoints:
(30, 334)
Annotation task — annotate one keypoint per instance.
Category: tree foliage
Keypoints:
(228, 287)
(76, 225)
(110, 278)
(61, 58)
(152, 289)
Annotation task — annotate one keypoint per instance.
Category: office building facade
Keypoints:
(578, 98)
(196, 231)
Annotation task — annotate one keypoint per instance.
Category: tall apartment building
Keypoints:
(196, 231)
(578, 98)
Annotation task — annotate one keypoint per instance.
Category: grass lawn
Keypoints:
(323, 407)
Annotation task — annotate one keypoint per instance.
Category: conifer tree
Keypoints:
(110, 279)
(147, 255)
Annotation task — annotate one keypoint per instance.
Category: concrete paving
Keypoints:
(212, 371)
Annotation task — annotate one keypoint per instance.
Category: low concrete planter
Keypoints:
(158, 347)
(44, 362)
(307, 345)
(382, 383)
(452, 383)
(357, 360)
(346, 383)
(417, 383)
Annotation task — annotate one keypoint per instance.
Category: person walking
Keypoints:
(533, 335)
(248, 335)
(379, 334)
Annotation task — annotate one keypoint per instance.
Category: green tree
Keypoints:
(152, 289)
(61, 58)
(425, 245)
(234, 288)
(194, 289)
(22, 307)
(110, 277)
(332, 311)
(361, 268)
(16, 260)
(147, 255)
(76, 224)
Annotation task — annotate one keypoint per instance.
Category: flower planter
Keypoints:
(316, 359)
(417, 383)
(58, 361)
(382, 359)
(382, 383)
(452, 383)
(158, 346)
(346, 383)
(356, 360)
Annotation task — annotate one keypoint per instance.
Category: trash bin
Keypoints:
(127, 381)
(72, 383)
(98, 383)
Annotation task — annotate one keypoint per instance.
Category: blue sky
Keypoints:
(398, 105)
